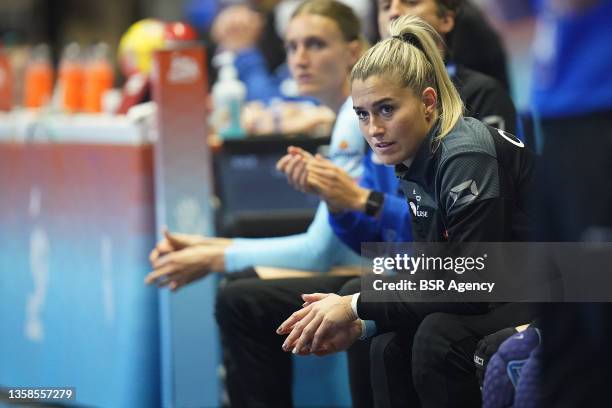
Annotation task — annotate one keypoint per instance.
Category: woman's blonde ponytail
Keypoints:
(411, 56)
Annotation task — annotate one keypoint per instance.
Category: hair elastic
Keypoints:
(411, 39)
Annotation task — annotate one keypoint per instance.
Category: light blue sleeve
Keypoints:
(318, 249)
(347, 145)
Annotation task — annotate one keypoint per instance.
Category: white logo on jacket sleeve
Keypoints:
(464, 193)
(511, 138)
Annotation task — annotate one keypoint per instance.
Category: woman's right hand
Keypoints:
(184, 266)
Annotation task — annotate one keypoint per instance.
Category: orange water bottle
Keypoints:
(99, 78)
(6, 82)
(38, 78)
(70, 79)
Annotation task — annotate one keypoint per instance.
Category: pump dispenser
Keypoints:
(228, 94)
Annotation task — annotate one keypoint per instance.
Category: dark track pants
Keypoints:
(432, 365)
(248, 312)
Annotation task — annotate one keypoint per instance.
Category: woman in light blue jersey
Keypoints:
(321, 51)
(323, 43)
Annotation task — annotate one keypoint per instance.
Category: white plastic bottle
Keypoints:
(229, 94)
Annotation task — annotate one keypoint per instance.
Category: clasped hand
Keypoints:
(326, 324)
(317, 175)
(180, 259)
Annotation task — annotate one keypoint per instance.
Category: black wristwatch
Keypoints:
(374, 203)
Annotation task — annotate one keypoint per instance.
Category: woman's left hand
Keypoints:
(335, 186)
(326, 316)
(293, 164)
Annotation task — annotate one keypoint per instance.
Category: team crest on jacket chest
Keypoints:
(415, 206)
